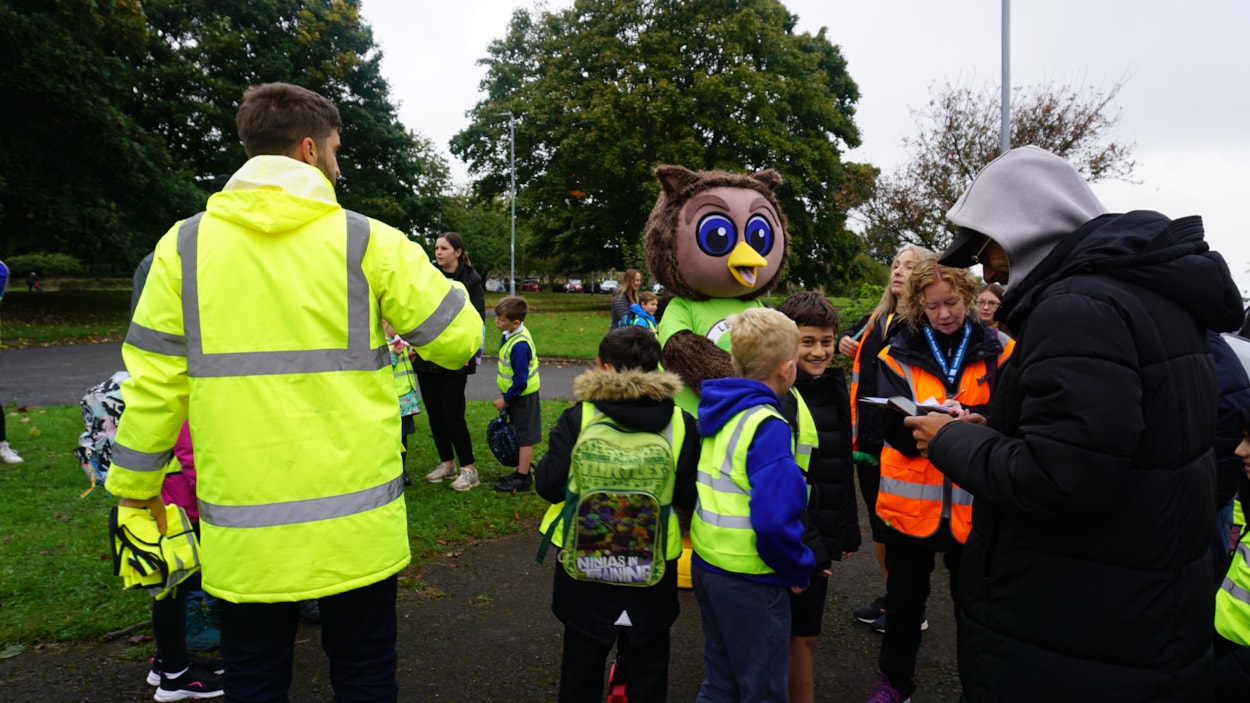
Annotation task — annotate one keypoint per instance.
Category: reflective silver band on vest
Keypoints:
(803, 450)
(439, 320)
(358, 356)
(300, 511)
(909, 489)
(959, 496)
(150, 340)
(135, 460)
(1228, 585)
(722, 483)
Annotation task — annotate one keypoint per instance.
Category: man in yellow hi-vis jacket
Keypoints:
(261, 321)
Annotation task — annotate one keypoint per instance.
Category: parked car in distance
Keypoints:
(657, 288)
(495, 285)
(609, 286)
(531, 284)
(573, 285)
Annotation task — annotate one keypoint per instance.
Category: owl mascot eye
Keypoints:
(717, 242)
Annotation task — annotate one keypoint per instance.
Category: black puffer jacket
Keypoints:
(1087, 575)
(472, 281)
(831, 508)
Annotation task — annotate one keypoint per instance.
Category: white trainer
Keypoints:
(466, 480)
(8, 455)
(442, 472)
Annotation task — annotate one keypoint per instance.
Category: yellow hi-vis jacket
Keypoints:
(1232, 600)
(261, 321)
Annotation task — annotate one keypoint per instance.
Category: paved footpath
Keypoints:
(42, 376)
(480, 627)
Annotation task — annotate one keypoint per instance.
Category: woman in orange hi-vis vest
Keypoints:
(943, 354)
(862, 342)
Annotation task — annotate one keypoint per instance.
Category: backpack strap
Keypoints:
(589, 415)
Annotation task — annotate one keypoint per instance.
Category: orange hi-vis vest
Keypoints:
(914, 495)
(869, 329)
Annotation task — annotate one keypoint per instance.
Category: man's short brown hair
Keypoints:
(810, 309)
(512, 307)
(275, 117)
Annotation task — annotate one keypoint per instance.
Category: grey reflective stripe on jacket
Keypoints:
(297, 511)
(723, 483)
(358, 356)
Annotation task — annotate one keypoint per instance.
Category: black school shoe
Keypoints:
(514, 482)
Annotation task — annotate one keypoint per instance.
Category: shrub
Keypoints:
(44, 264)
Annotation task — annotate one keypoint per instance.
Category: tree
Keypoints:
(607, 90)
(959, 134)
(486, 226)
(80, 175)
(205, 53)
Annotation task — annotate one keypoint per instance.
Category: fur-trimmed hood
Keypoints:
(640, 399)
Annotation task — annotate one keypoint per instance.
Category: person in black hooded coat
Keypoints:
(1087, 575)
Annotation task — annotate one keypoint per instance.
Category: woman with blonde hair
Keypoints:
(863, 341)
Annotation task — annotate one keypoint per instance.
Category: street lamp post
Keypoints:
(512, 197)
(1004, 134)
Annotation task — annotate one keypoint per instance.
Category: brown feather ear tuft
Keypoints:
(675, 179)
(769, 177)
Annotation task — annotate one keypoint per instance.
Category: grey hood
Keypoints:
(1026, 200)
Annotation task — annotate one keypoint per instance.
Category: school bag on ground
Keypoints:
(614, 520)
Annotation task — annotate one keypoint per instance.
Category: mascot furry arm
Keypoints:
(717, 241)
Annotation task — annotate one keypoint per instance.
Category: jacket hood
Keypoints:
(722, 398)
(641, 399)
(1145, 249)
(274, 194)
(1027, 201)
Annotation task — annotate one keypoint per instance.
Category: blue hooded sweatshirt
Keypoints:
(640, 318)
(778, 490)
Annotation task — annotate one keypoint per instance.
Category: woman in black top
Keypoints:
(442, 390)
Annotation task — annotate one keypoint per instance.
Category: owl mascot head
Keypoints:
(717, 241)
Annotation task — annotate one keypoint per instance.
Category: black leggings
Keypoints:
(443, 397)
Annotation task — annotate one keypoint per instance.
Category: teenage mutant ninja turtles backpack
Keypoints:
(613, 524)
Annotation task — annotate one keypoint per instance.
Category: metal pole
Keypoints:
(512, 148)
(512, 198)
(1004, 137)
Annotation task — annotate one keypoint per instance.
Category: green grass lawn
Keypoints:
(56, 581)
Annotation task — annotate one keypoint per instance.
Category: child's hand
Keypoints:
(500, 405)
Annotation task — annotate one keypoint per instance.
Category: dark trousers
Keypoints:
(644, 668)
(907, 590)
(357, 634)
(169, 629)
(443, 396)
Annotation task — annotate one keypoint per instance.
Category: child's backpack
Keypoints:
(614, 522)
(101, 409)
(501, 439)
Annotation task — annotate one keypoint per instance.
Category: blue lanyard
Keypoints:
(952, 371)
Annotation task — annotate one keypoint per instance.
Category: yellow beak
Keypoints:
(743, 262)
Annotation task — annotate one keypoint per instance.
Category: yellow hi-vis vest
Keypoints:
(675, 433)
(1232, 600)
(808, 440)
(504, 376)
(721, 529)
(405, 377)
(261, 320)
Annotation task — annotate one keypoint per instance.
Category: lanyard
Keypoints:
(952, 371)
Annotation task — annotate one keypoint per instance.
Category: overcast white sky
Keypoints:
(1185, 102)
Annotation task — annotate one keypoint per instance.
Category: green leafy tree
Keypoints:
(80, 175)
(959, 134)
(486, 226)
(607, 90)
(205, 53)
